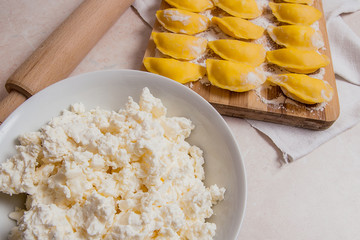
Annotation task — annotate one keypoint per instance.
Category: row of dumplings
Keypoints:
(300, 54)
(239, 68)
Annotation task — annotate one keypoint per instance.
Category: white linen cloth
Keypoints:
(147, 9)
(345, 50)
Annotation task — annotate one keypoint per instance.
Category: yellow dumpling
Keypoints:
(235, 50)
(309, 2)
(191, 5)
(299, 36)
(238, 28)
(297, 60)
(179, 46)
(179, 71)
(182, 21)
(239, 8)
(303, 88)
(295, 13)
(233, 76)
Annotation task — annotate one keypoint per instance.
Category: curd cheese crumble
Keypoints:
(103, 174)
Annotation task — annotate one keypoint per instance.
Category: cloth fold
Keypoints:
(147, 9)
(346, 58)
(345, 49)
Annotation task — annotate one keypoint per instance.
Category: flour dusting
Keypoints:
(176, 16)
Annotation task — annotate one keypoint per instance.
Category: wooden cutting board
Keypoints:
(268, 103)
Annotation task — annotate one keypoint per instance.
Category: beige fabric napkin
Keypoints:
(345, 48)
(147, 9)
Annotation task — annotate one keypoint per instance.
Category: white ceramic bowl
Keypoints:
(110, 90)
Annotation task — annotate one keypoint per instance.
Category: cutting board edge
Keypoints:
(278, 118)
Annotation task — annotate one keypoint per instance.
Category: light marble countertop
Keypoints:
(315, 197)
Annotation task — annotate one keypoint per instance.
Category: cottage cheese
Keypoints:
(102, 174)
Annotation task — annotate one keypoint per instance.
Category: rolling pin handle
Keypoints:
(10, 103)
(62, 51)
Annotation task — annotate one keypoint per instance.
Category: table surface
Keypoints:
(315, 197)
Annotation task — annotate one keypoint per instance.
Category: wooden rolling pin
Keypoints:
(62, 51)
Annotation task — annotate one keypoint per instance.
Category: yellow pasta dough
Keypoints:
(238, 28)
(235, 50)
(233, 76)
(309, 2)
(191, 5)
(299, 36)
(179, 46)
(297, 60)
(179, 71)
(239, 8)
(303, 88)
(182, 21)
(295, 13)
